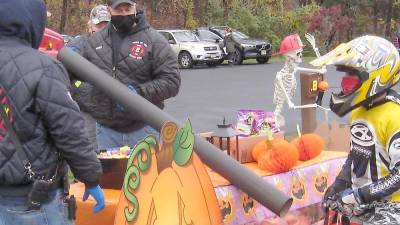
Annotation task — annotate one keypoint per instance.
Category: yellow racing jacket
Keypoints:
(374, 159)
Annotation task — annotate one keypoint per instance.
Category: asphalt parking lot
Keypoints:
(209, 94)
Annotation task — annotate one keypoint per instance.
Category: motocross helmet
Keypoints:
(372, 67)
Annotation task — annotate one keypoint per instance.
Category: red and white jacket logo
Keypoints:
(138, 50)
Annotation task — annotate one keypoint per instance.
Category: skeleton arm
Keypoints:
(311, 70)
(282, 88)
(310, 38)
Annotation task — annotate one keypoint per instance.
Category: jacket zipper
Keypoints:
(113, 103)
(114, 75)
(114, 52)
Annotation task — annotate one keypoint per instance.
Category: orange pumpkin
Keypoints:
(323, 85)
(168, 185)
(309, 146)
(282, 157)
(262, 147)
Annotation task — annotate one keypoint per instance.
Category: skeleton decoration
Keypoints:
(285, 82)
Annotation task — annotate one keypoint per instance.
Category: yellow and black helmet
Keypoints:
(372, 66)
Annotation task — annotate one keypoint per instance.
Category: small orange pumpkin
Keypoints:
(309, 146)
(258, 148)
(282, 157)
(323, 85)
(262, 147)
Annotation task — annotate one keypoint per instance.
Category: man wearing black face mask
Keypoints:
(129, 50)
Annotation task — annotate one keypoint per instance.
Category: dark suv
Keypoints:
(246, 47)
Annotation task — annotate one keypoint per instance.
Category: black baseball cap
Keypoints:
(115, 3)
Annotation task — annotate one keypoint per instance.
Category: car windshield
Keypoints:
(236, 34)
(239, 35)
(185, 36)
(205, 34)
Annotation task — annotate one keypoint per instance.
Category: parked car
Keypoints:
(396, 42)
(67, 38)
(246, 47)
(51, 43)
(208, 36)
(190, 50)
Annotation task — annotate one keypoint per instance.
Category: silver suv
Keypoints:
(190, 50)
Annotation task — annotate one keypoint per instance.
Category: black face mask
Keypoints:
(123, 24)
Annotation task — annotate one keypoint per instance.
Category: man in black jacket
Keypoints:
(34, 91)
(229, 42)
(98, 20)
(132, 52)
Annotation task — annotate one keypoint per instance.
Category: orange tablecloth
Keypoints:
(106, 217)
(85, 216)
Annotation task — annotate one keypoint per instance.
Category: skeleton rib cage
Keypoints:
(289, 84)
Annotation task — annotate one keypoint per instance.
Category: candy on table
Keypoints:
(115, 153)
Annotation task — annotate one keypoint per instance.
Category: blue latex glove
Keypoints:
(98, 195)
(74, 48)
(131, 88)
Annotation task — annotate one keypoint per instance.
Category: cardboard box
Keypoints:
(246, 144)
(336, 136)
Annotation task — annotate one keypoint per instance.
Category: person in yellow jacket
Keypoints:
(367, 190)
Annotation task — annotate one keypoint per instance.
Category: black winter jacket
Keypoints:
(143, 60)
(36, 88)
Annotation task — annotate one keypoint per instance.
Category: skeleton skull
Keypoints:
(296, 57)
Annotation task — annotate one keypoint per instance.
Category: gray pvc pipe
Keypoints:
(264, 193)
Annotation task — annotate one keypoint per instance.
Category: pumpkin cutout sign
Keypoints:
(167, 183)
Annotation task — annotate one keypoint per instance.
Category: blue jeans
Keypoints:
(109, 138)
(13, 210)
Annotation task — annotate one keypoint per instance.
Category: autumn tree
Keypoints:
(328, 23)
(271, 19)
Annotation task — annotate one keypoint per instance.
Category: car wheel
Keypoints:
(185, 60)
(237, 57)
(262, 60)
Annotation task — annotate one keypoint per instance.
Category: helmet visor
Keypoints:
(349, 84)
(351, 81)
